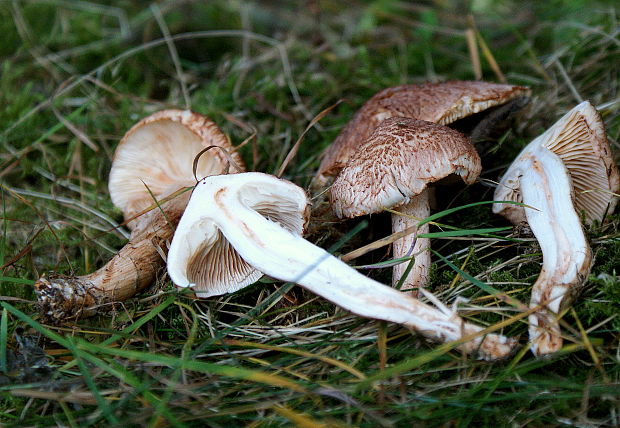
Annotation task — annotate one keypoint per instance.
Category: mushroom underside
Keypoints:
(489, 123)
(213, 267)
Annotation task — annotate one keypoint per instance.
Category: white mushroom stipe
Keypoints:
(546, 186)
(228, 204)
(416, 209)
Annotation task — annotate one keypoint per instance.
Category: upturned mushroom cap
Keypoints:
(399, 159)
(157, 155)
(202, 257)
(441, 103)
(579, 139)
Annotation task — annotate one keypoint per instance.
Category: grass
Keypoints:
(75, 76)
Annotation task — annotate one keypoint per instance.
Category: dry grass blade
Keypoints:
(76, 397)
(379, 243)
(229, 158)
(299, 419)
(488, 54)
(472, 47)
(588, 345)
(77, 132)
(173, 53)
(332, 361)
(291, 154)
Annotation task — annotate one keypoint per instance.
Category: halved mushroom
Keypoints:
(393, 169)
(262, 217)
(153, 161)
(443, 103)
(566, 172)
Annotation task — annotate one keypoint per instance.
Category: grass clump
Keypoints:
(75, 76)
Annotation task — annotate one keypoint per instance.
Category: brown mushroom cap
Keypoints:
(158, 153)
(441, 103)
(579, 139)
(399, 159)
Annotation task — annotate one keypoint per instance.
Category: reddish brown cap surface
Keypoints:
(399, 159)
(441, 103)
(158, 153)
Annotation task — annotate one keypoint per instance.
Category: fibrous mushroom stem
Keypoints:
(131, 270)
(279, 253)
(417, 209)
(567, 258)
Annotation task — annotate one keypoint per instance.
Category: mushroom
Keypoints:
(443, 103)
(393, 169)
(153, 160)
(566, 172)
(262, 218)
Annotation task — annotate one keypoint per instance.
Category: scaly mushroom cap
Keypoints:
(158, 153)
(441, 103)
(200, 255)
(579, 139)
(399, 159)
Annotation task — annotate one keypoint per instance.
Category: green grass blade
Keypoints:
(35, 325)
(160, 408)
(3, 340)
(125, 376)
(444, 348)
(198, 366)
(405, 274)
(490, 290)
(102, 403)
(66, 343)
(4, 230)
(139, 323)
(17, 280)
(444, 213)
(463, 232)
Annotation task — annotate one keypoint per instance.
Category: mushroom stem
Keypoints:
(417, 208)
(223, 203)
(62, 297)
(567, 258)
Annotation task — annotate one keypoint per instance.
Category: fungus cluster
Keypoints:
(442, 103)
(236, 228)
